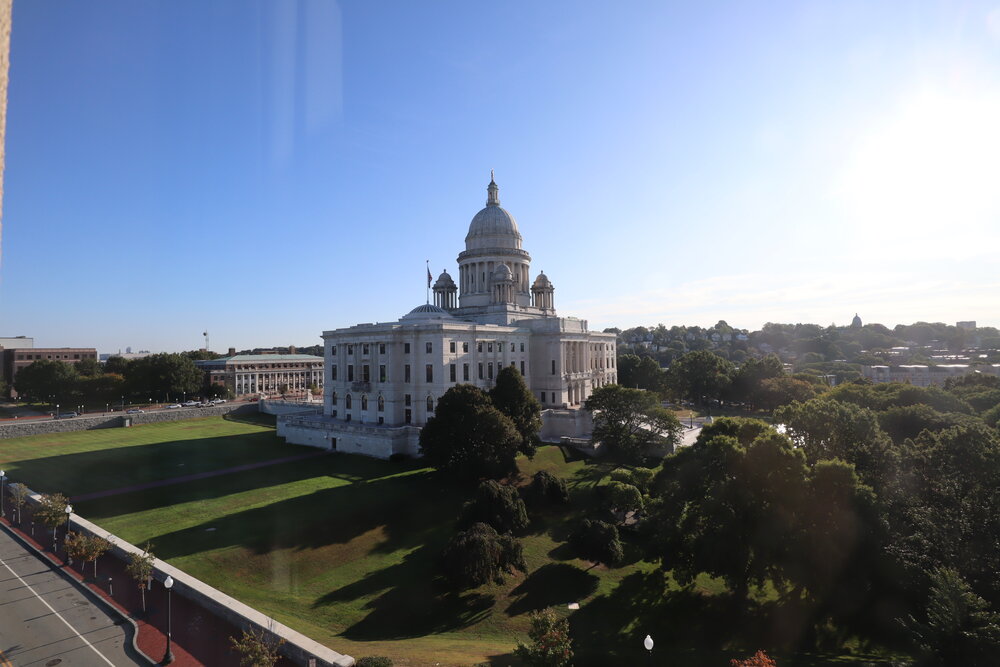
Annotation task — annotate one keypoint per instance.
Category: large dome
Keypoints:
(427, 311)
(494, 226)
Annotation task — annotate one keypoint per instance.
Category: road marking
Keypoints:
(58, 615)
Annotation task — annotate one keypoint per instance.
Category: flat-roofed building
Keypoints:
(247, 374)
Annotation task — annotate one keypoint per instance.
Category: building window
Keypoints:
(480, 370)
(350, 372)
(489, 370)
(465, 346)
(452, 372)
(347, 417)
(452, 347)
(522, 347)
(333, 372)
(465, 372)
(381, 420)
(553, 397)
(406, 373)
(333, 399)
(553, 366)
(381, 403)
(429, 372)
(406, 348)
(364, 401)
(543, 397)
(408, 417)
(347, 401)
(522, 368)
(429, 347)
(381, 373)
(350, 349)
(489, 346)
(406, 400)
(333, 349)
(479, 346)
(430, 404)
(512, 347)
(366, 373)
(364, 348)
(381, 348)
(76, 356)
(333, 413)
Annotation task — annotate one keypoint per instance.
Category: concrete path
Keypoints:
(47, 619)
(193, 477)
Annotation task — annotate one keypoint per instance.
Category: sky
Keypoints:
(265, 171)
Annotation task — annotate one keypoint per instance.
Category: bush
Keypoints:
(623, 497)
(547, 489)
(497, 505)
(551, 645)
(480, 555)
(597, 541)
(374, 661)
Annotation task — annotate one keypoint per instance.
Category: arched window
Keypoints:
(381, 403)
(430, 404)
(364, 401)
(333, 399)
(347, 402)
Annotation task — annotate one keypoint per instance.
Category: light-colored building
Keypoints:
(922, 375)
(383, 380)
(265, 373)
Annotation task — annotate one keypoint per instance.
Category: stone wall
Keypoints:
(20, 428)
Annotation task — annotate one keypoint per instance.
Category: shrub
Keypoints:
(374, 661)
(597, 541)
(547, 489)
(479, 555)
(497, 505)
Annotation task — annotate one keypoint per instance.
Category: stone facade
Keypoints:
(246, 374)
(382, 381)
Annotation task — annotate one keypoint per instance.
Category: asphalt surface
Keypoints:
(46, 619)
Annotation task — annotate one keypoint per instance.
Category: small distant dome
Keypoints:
(427, 311)
(444, 280)
(856, 322)
(542, 281)
(502, 272)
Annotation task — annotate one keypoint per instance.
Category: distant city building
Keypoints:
(969, 325)
(17, 358)
(16, 342)
(856, 322)
(921, 375)
(383, 381)
(264, 373)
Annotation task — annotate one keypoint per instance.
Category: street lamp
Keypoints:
(2, 478)
(647, 643)
(69, 514)
(57, 411)
(168, 657)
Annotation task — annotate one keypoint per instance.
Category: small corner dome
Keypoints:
(502, 272)
(427, 311)
(444, 280)
(542, 281)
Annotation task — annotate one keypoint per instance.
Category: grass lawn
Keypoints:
(343, 548)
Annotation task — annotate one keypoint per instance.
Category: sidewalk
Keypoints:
(198, 637)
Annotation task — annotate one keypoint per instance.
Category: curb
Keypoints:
(115, 611)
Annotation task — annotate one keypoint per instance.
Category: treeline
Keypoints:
(873, 513)
(158, 377)
(811, 346)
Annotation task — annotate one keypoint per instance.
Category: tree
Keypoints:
(75, 546)
(758, 659)
(257, 648)
(550, 642)
(547, 488)
(480, 555)
(19, 496)
(497, 505)
(597, 541)
(95, 547)
(639, 372)
(623, 497)
(45, 378)
(774, 392)
(469, 438)
(89, 367)
(172, 374)
(511, 396)
(628, 421)
(117, 365)
(960, 628)
(751, 373)
(700, 376)
(283, 389)
(51, 511)
(140, 568)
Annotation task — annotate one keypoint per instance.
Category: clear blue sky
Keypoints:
(268, 170)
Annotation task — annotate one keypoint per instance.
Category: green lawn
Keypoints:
(343, 548)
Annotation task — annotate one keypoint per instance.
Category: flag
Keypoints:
(428, 277)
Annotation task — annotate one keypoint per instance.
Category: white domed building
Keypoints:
(383, 380)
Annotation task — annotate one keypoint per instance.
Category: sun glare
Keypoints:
(930, 167)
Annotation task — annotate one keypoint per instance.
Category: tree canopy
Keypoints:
(511, 396)
(629, 421)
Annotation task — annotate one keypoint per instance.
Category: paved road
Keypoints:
(47, 620)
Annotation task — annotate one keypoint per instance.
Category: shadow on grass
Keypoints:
(251, 417)
(409, 508)
(555, 584)
(413, 603)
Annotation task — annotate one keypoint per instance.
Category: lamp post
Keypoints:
(168, 657)
(2, 478)
(647, 643)
(69, 514)
(57, 411)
